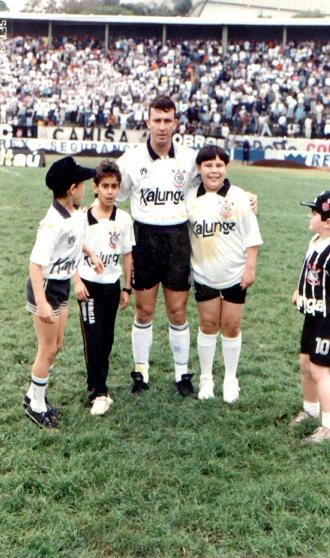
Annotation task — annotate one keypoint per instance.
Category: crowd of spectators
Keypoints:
(254, 88)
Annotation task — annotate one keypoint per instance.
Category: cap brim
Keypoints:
(308, 204)
(85, 173)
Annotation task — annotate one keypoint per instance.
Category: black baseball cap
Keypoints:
(65, 172)
(321, 204)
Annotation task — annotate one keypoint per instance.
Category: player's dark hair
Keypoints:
(164, 103)
(211, 152)
(105, 168)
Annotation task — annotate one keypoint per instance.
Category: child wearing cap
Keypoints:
(110, 234)
(53, 261)
(312, 299)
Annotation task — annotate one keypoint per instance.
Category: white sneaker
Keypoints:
(206, 390)
(319, 435)
(101, 404)
(230, 390)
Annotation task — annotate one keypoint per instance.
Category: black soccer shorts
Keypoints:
(161, 255)
(57, 293)
(315, 339)
(234, 294)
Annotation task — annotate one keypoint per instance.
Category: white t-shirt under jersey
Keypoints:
(222, 228)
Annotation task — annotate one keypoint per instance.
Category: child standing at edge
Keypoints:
(313, 300)
(225, 240)
(110, 234)
(53, 261)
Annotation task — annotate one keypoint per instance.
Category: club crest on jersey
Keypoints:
(71, 240)
(313, 277)
(143, 172)
(225, 210)
(178, 178)
(113, 239)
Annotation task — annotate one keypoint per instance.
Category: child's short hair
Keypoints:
(211, 152)
(163, 103)
(65, 172)
(104, 168)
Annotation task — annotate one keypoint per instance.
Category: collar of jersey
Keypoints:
(223, 191)
(62, 210)
(91, 219)
(153, 154)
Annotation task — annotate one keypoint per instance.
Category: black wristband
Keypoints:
(127, 290)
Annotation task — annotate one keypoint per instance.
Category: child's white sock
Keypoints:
(39, 385)
(326, 420)
(312, 408)
(206, 347)
(231, 350)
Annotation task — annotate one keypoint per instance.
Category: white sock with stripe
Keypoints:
(39, 386)
(179, 338)
(141, 345)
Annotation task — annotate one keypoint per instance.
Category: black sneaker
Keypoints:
(138, 384)
(54, 411)
(185, 387)
(44, 420)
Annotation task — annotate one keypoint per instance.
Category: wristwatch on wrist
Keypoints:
(127, 290)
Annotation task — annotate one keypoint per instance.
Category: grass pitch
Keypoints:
(162, 476)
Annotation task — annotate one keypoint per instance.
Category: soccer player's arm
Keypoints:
(126, 181)
(128, 243)
(44, 310)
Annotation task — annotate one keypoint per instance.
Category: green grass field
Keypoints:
(162, 476)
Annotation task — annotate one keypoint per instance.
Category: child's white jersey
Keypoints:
(157, 186)
(59, 242)
(222, 227)
(108, 238)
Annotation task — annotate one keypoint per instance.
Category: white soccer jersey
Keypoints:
(222, 227)
(59, 242)
(108, 238)
(157, 186)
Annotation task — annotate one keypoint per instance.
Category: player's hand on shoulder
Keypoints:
(253, 199)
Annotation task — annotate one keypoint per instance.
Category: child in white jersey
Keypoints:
(313, 300)
(225, 240)
(110, 234)
(54, 259)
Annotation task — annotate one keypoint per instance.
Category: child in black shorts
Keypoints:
(313, 300)
(54, 260)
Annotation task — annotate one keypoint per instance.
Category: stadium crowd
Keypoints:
(252, 88)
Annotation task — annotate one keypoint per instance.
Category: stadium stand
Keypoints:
(252, 88)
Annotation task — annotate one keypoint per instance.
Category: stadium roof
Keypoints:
(157, 20)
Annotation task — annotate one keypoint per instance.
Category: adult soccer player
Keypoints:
(156, 176)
